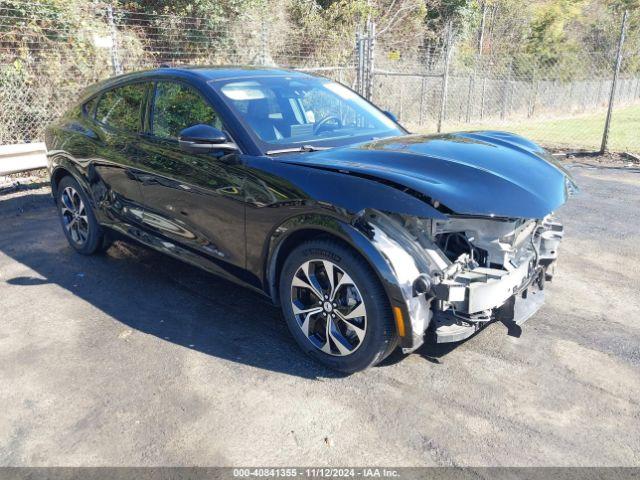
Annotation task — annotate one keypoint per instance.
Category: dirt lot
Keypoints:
(131, 358)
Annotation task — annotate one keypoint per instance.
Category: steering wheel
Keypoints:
(329, 118)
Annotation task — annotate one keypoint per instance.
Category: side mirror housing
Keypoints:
(204, 139)
(390, 115)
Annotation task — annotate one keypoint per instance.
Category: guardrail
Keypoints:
(22, 157)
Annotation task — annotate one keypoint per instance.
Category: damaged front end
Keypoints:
(460, 273)
(461, 220)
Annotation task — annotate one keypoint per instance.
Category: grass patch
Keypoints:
(577, 132)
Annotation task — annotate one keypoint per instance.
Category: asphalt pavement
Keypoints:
(132, 358)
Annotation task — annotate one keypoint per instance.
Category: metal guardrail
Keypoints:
(22, 157)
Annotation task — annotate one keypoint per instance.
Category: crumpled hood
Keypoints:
(474, 173)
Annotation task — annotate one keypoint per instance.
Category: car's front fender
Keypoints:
(392, 258)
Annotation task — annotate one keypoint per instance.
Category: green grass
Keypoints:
(577, 132)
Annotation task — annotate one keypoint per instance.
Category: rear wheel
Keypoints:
(336, 307)
(78, 221)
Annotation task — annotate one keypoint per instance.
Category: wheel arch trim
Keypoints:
(296, 230)
(61, 165)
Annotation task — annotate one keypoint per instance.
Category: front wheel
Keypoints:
(335, 306)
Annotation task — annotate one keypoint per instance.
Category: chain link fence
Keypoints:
(561, 103)
(48, 54)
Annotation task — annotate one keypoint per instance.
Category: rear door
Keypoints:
(114, 172)
(193, 202)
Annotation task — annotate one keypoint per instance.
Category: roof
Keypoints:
(206, 73)
(234, 72)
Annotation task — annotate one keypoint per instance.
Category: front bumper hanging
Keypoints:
(455, 301)
(517, 309)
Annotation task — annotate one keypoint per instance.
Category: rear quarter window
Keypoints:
(121, 107)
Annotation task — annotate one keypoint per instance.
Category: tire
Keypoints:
(355, 343)
(78, 221)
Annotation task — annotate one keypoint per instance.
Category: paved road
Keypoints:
(131, 358)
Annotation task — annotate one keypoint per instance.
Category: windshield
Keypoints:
(290, 112)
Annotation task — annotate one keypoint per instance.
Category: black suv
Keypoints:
(367, 237)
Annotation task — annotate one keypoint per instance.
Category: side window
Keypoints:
(120, 108)
(176, 107)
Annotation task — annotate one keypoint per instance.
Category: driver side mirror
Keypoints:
(390, 115)
(204, 139)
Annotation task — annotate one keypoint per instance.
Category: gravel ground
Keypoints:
(131, 358)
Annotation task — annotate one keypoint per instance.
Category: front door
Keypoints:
(193, 201)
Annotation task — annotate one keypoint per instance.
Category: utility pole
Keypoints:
(616, 73)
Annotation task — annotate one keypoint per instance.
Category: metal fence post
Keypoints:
(445, 76)
(371, 42)
(422, 89)
(534, 94)
(482, 95)
(264, 39)
(359, 61)
(616, 73)
(115, 60)
(506, 87)
(469, 95)
(401, 111)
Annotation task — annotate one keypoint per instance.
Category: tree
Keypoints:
(548, 38)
